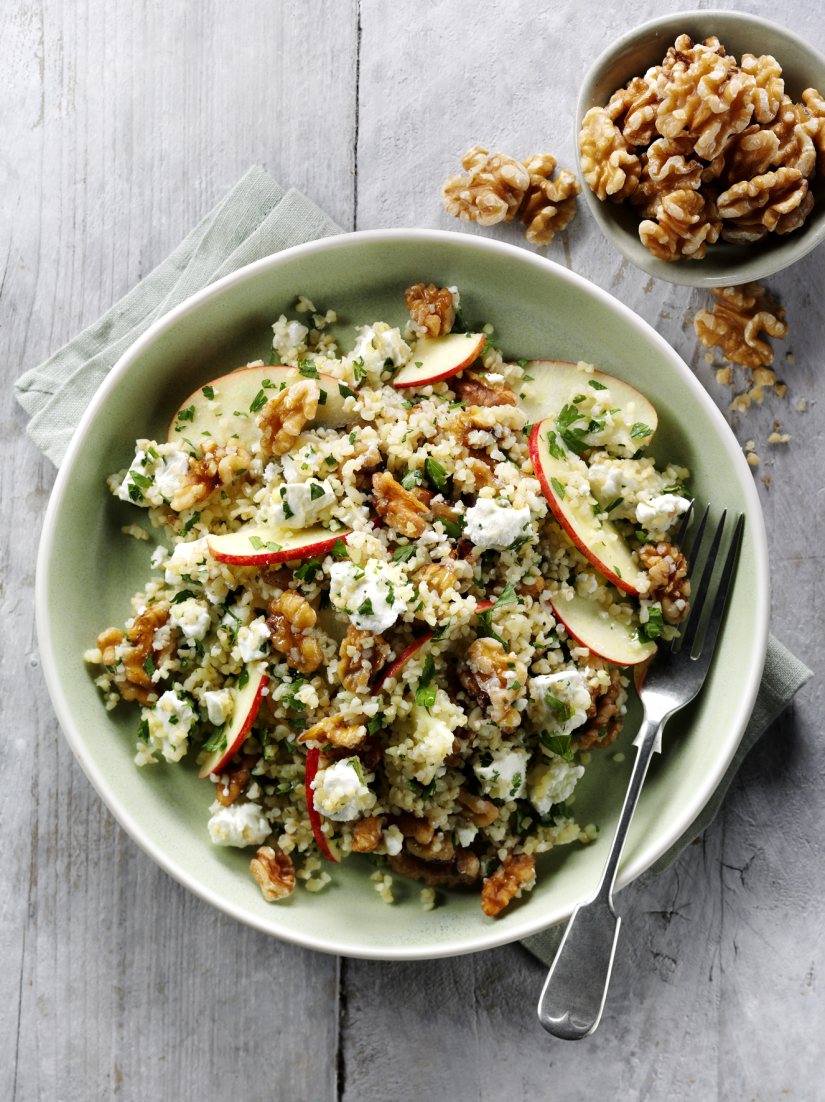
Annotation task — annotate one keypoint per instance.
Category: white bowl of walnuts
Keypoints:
(701, 146)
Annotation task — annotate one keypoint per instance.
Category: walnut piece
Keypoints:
(360, 657)
(750, 154)
(491, 192)
(738, 317)
(549, 205)
(671, 166)
(439, 848)
(411, 826)
(282, 419)
(290, 620)
(667, 570)
(237, 780)
(765, 200)
(431, 308)
(366, 834)
(493, 677)
(219, 467)
(475, 389)
(400, 508)
(685, 224)
(477, 809)
(131, 678)
(335, 731)
(438, 576)
(274, 873)
(609, 167)
(769, 87)
(633, 108)
(604, 716)
(436, 874)
(499, 188)
(516, 874)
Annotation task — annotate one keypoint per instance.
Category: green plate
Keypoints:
(87, 570)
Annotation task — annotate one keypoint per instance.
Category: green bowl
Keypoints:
(87, 570)
(631, 55)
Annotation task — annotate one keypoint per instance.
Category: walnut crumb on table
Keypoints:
(498, 188)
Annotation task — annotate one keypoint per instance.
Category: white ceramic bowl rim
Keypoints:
(528, 923)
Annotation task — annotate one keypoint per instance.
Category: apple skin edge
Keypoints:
(312, 763)
(293, 554)
(401, 661)
(216, 761)
(426, 380)
(559, 514)
(642, 661)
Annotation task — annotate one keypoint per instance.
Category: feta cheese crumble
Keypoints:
(657, 515)
(553, 783)
(299, 504)
(340, 793)
(559, 701)
(368, 594)
(505, 776)
(238, 825)
(488, 524)
(192, 617)
(218, 703)
(168, 725)
(252, 639)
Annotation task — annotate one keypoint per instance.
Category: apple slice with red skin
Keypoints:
(412, 648)
(602, 634)
(437, 358)
(254, 545)
(325, 844)
(555, 383)
(598, 540)
(398, 664)
(247, 704)
(246, 391)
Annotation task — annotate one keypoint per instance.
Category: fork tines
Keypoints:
(708, 600)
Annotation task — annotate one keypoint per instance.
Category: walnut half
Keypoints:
(514, 875)
(274, 874)
(290, 620)
(431, 308)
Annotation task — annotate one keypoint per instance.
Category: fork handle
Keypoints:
(574, 993)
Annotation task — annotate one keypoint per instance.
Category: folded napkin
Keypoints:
(255, 219)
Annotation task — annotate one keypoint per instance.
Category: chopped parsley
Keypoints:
(346, 392)
(258, 402)
(149, 666)
(290, 698)
(358, 369)
(436, 474)
(401, 554)
(412, 479)
(143, 730)
(187, 414)
(208, 392)
(365, 608)
(217, 740)
(308, 369)
(339, 550)
(561, 710)
(140, 482)
(426, 691)
(640, 430)
(597, 385)
(307, 570)
(375, 724)
(613, 505)
(516, 785)
(259, 544)
(557, 486)
(557, 744)
(653, 627)
(244, 677)
(190, 524)
(183, 595)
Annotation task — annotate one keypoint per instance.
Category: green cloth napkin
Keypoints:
(255, 219)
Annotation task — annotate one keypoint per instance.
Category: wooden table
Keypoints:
(124, 121)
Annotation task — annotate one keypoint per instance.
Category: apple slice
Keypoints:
(247, 703)
(230, 412)
(255, 545)
(603, 635)
(555, 383)
(437, 358)
(326, 845)
(398, 664)
(598, 540)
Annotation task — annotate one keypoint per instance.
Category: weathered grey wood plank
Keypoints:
(123, 123)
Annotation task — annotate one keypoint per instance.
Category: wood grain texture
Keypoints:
(123, 123)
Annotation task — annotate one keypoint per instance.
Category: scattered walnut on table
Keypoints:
(361, 655)
(290, 622)
(274, 873)
(495, 678)
(491, 192)
(499, 188)
(549, 204)
(667, 570)
(218, 467)
(735, 324)
(283, 418)
(516, 874)
(604, 716)
(432, 308)
(400, 508)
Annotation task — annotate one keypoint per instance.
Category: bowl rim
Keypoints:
(688, 273)
(484, 937)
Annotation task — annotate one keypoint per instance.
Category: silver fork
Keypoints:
(574, 992)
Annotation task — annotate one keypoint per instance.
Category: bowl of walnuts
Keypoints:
(701, 145)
